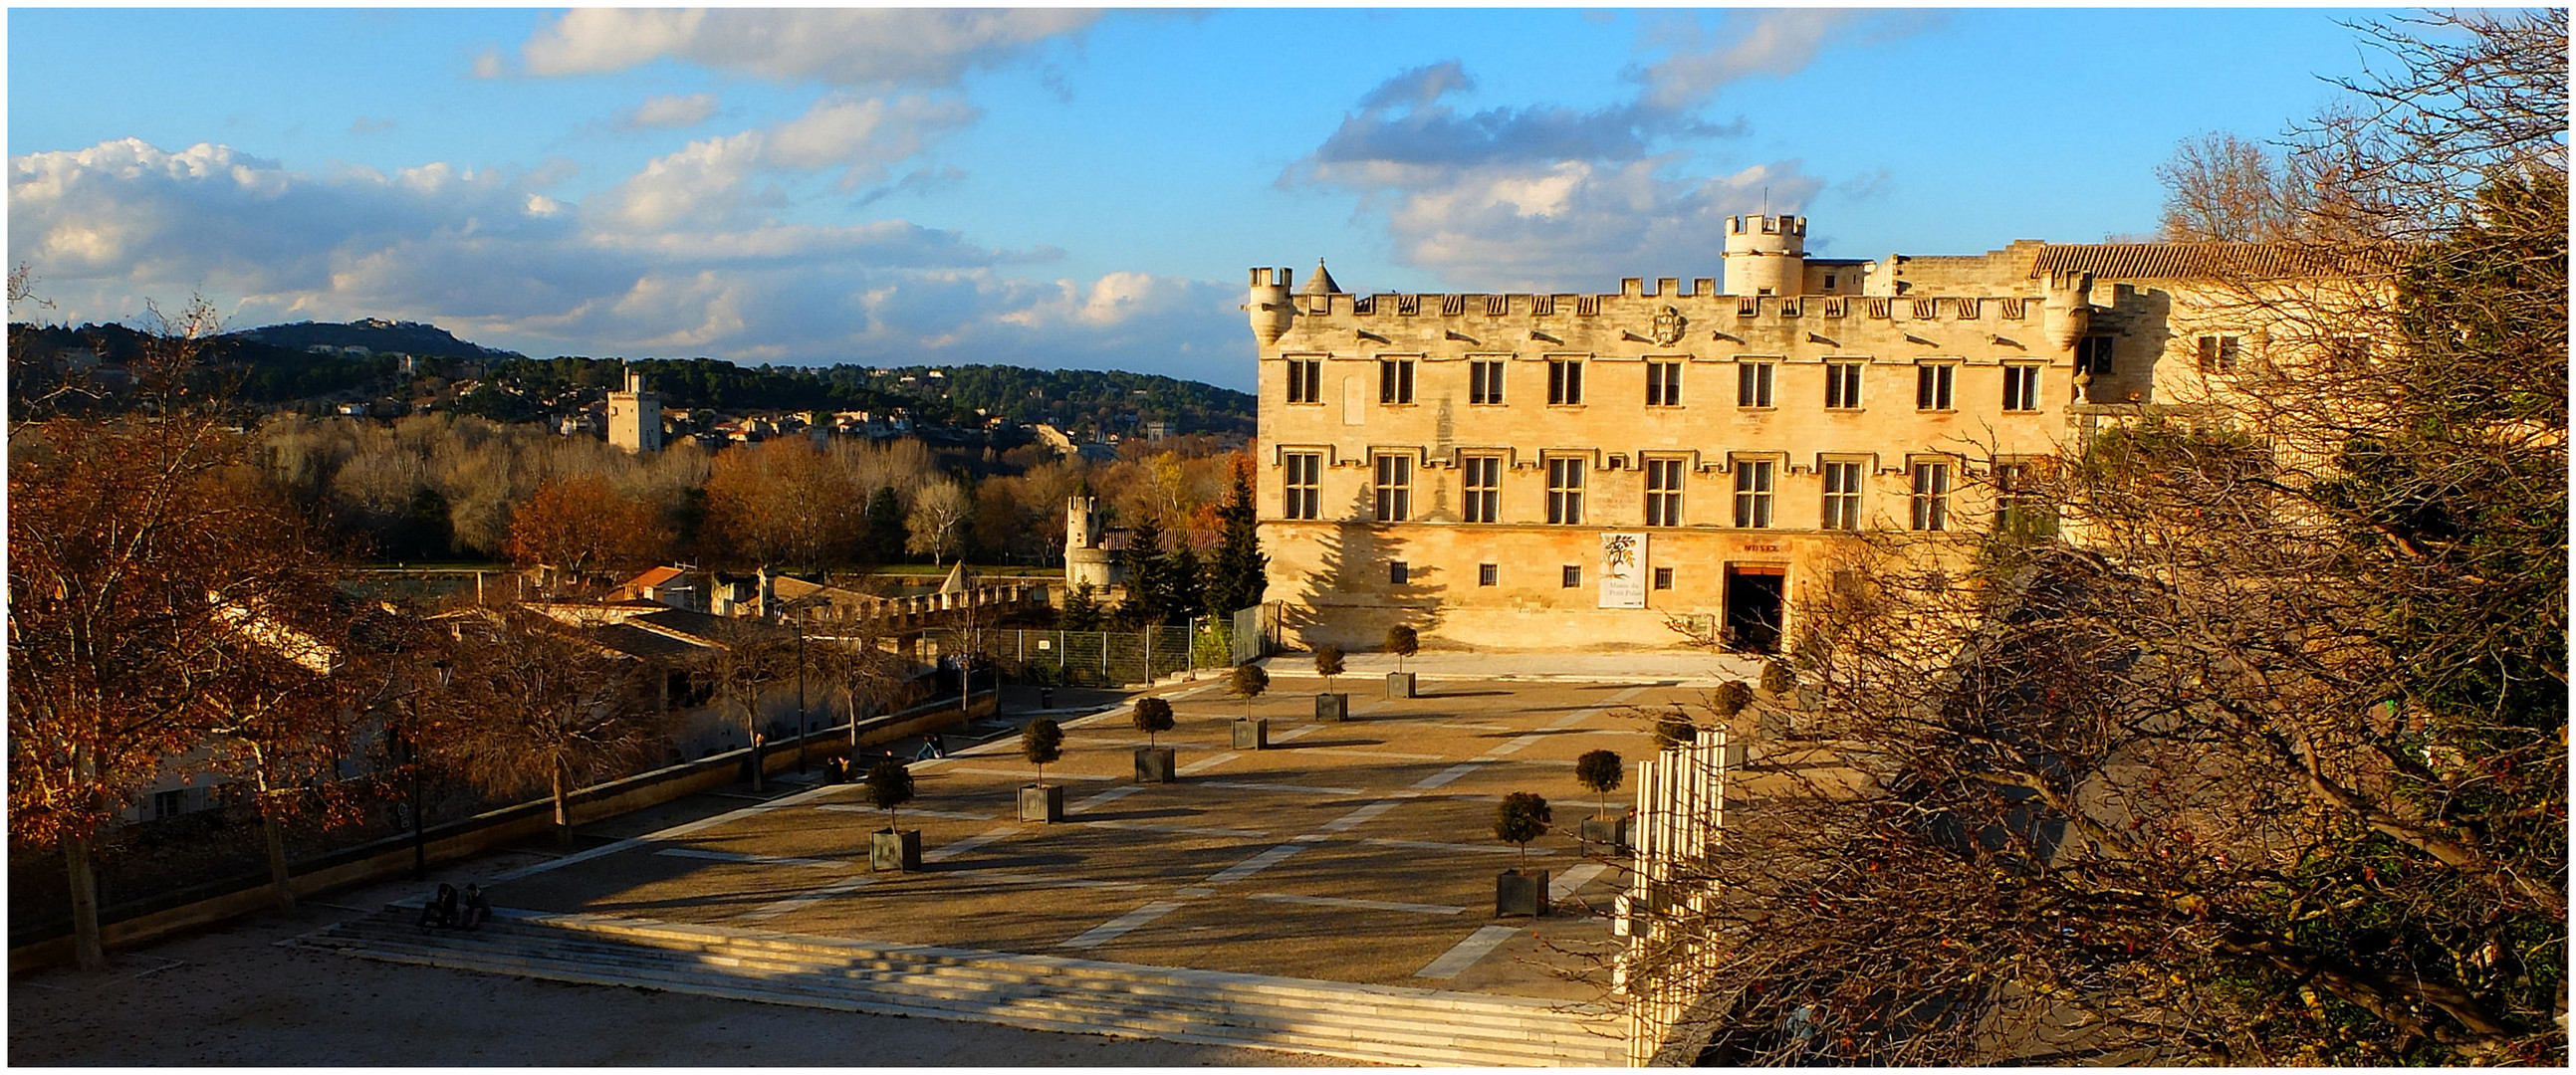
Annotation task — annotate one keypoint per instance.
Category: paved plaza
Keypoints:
(1356, 852)
(1359, 851)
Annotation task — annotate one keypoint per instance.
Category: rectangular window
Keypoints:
(1931, 496)
(1842, 385)
(1573, 576)
(1753, 384)
(169, 804)
(1484, 383)
(2021, 388)
(1489, 574)
(1663, 384)
(1395, 380)
(2093, 355)
(1663, 578)
(1664, 492)
(1394, 488)
(1932, 386)
(1842, 496)
(1305, 380)
(2218, 353)
(1753, 493)
(1304, 486)
(1398, 572)
(1564, 381)
(1481, 476)
(1565, 491)
(2019, 507)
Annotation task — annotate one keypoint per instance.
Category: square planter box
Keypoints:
(1611, 832)
(1253, 734)
(1042, 803)
(1153, 765)
(892, 850)
(1520, 892)
(1399, 684)
(1332, 708)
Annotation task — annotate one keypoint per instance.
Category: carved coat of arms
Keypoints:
(1668, 327)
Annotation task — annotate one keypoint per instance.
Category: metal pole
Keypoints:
(804, 724)
(419, 839)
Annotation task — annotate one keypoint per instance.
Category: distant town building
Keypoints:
(635, 416)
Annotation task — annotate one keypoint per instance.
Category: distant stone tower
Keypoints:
(1084, 558)
(635, 417)
(1766, 255)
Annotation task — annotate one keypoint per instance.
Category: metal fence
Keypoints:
(1670, 954)
(1117, 658)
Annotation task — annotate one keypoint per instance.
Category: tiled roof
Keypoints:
(654, 577)
(2189, 261)
(637, 642)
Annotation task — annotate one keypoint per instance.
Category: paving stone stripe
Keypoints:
(749, 859)
(1310, 789)
(1255, 864)
(1118, 927)
(970, 843)
(946, 815)
(1362, 816)
(1349, 752)
(1204, 764)
(1190, 830)
(674, 832)
(1363, 905)
(1110, 796)
(794, 903)
(1029, 773)
(1477, 946)
(1294, 734)
(1446, 775)
(1565, 886)
(1039, 880)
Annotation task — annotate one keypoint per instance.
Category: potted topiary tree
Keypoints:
(1521, 818)
(1247, 683)
(1330, 706)
(1153, 761)
(1403, 642)
(1600, 772)
(1674, 729)
(1780, 706)
(889, 785)
(1042, 742)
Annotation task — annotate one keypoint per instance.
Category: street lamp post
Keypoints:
(419, 808)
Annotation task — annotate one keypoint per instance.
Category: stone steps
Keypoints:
(1383, 1024)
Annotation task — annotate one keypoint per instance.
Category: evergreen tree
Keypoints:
(1081, 609)
(1183, 581)
(886, 533)
(1237, 576)
(1148, 591)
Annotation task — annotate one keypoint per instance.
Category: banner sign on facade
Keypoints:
(1623, 570)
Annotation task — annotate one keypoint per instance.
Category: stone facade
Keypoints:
(635, 416)
(1480, 465)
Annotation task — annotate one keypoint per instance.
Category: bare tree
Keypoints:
(2257, 757)
(939, 512)
(533, 706)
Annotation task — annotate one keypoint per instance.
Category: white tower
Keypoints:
(1766, 255)
(635, 417)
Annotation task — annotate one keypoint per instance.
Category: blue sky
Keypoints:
(1059, 187)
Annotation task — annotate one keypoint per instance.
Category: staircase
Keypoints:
(1374, 1023)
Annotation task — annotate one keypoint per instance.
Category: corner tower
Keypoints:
(1766, 255)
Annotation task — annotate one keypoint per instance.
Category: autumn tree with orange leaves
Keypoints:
(581, 525)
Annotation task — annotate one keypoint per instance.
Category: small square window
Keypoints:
(1663, 578)
(168, 804)
(1398, 572)
(1573, 576)
(1489, 574)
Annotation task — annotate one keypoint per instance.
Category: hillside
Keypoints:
(374, 334)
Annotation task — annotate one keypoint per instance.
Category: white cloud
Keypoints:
(1546, 196)
(669, 111)
(726, 181)
(487, 256)
(864, 47)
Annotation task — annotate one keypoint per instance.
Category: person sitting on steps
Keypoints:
(478, 907)
(440, 909)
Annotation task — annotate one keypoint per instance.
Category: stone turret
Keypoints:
(1085, 560)
(635, 416)
(2066, 308)
(1766, 255)
(1269, 304)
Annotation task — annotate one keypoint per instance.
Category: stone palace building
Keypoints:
(1557, 471)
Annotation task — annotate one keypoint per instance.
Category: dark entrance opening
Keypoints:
(1754, 595)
